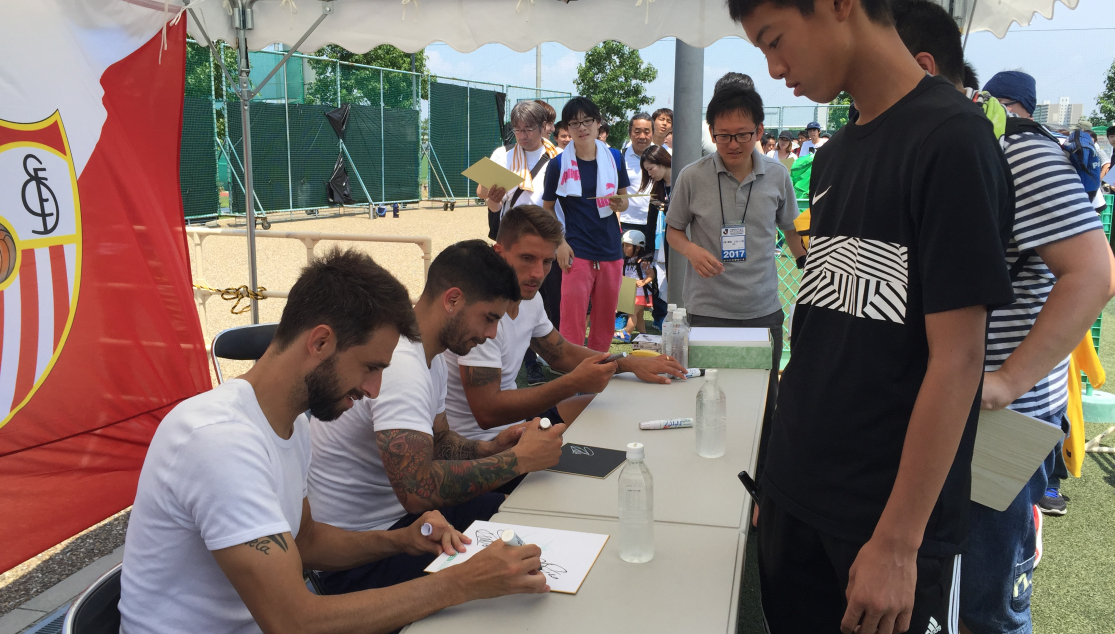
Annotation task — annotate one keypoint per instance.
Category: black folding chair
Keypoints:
(96, 610)
(242, 343)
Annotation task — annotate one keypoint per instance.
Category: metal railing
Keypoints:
(309, 239)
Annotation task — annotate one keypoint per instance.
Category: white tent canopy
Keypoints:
(465, 25)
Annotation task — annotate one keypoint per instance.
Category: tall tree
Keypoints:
(1105, 115)
(614, 76)
(360, 85)
(838, 117)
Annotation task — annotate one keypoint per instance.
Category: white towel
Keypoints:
(607, 177)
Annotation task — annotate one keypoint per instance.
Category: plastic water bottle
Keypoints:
(668, 329)
(712, 412)
(684, 316)
(680, 338)
(636, 508)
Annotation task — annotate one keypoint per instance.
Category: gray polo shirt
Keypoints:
(749, 289)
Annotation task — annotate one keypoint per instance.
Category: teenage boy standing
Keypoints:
(868, 474)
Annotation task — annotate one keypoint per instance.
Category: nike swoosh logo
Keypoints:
(818, 196)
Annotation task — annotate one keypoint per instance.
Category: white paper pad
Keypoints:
(1009, 448)
(701, 336)
(567, 556)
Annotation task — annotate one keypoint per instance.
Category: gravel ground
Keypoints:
(225, 259)
(34, 576)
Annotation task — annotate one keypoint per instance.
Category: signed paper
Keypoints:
(567, 556)
(490, 174)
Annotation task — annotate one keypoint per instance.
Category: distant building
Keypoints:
(1060, 113)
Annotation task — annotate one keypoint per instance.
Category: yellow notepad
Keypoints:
(1009, 448)
(627, 290)
(490, 174)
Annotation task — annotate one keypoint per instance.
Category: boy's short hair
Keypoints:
(528, 220)
(660, 113)
(878, 11)
(475, 268)
(579, 105)
(561, 125)
(732, 77)
(926, 27)
(734, 97)
(350, 293)
(604, 127)
(551, 114)
(971, 79)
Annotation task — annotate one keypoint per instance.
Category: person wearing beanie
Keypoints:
(1016, 90)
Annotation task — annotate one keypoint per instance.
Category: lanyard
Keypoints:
(750, 186)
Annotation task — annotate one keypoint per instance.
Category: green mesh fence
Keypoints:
(197, 170)
(465, 125)
(294, 148)
(555, 98)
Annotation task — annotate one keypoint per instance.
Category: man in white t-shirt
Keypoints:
(482, 398)
(528, 158)
(389, 459)
(637, 215)
(221, 530)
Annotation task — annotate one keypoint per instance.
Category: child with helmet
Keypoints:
(638, 264)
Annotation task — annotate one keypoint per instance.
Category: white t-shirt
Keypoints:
(348, 485)
(503, 156)
(637, 208)
(504, 352)
(216, 475)
(805, 147)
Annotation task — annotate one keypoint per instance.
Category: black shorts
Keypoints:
(803, 574)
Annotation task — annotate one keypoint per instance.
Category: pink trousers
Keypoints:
(596, 281)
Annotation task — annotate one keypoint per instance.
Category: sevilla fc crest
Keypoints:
(40, 255)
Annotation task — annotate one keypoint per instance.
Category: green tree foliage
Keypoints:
(361, 85)
(1105, 115)
(838, 117)
(614, 76)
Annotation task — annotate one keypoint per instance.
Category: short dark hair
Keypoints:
(475, 268)
(732, 77)
(926, 27)
(561, 125)
(604, 127)
(350, 293)
(529, 220)
(735, 97)
(767, 137)
(660, 113)
(639, 116)
(971, 79)
(877, 11)
(551, 114)
(579, 105)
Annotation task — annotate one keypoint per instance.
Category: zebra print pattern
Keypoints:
(857, 276)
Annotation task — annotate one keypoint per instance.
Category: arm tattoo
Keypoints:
(263, 544)
(550, 347)
(478, 377)
(449, 445)
(416, 476)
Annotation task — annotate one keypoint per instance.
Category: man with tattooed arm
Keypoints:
(482, 400)
(221, 529)
(388, 460)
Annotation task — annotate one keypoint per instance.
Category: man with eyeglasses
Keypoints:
(733, 201)
(528, 158)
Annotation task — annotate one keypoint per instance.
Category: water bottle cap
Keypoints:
(635, 451)
(711, 373)
(678, 314)
(671, 307)
(683, 311)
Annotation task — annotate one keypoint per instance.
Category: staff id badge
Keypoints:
(733, 243)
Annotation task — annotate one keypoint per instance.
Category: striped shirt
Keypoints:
(1050, 205)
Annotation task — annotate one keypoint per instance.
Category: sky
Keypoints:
(1068, 55)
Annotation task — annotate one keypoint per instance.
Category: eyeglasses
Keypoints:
(742, 137)
(523, 130)
(584, 123)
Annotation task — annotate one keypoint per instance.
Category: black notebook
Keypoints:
(585, 460)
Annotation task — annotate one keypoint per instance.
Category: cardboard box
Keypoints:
(733, 348)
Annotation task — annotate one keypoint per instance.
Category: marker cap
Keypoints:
(545, 423)
(635, 451)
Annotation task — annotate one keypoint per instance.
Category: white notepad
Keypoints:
(567, 556)
(704, 336)
(1009, 448)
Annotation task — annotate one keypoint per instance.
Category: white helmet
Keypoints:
(635, 237)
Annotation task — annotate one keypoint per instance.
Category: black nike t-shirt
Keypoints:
(911, 214)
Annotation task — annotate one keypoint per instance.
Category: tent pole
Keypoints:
(245, 94)
(689, 71)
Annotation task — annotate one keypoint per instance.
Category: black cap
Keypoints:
(786, 134)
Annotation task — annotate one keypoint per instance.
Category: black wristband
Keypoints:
(801, 262)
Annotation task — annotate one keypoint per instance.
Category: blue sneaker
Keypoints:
(621, 336)
(1052, 503)
(621, 321)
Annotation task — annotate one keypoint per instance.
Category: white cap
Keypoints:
(544, 423)
(635, 451)
(671, 307)
(678, 314)
(683, 311)
(711, 373)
